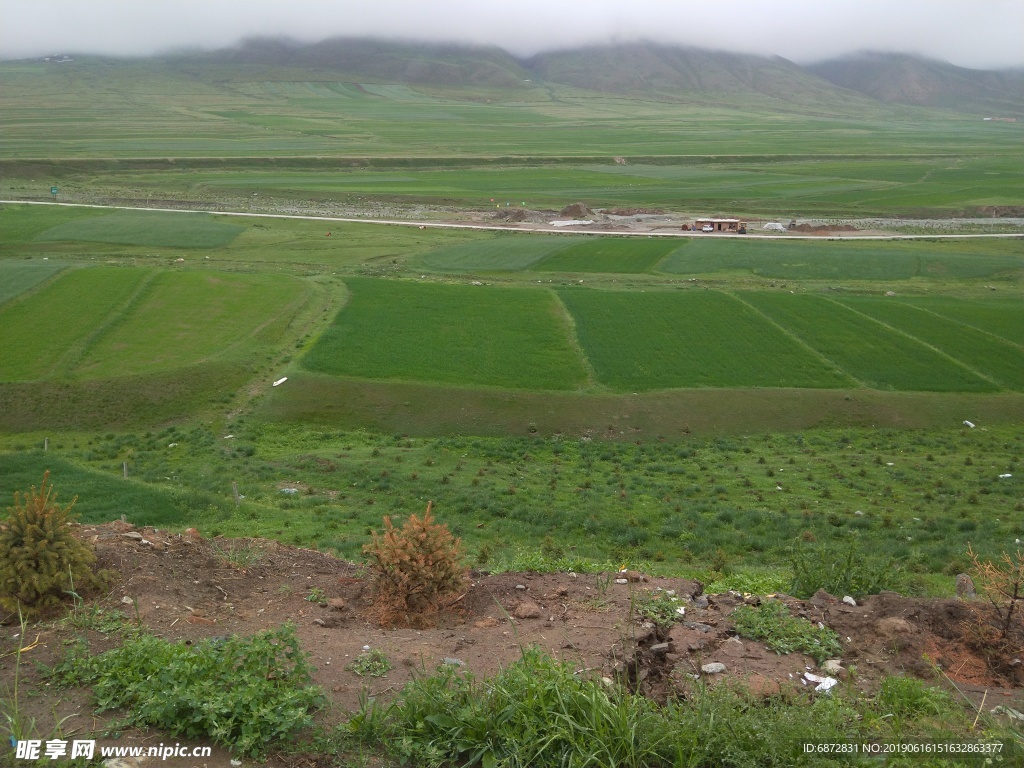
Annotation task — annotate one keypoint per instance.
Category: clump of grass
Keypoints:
(241, 557)
(783, 633)
(848, 571)
(374, 663)
(659, 606)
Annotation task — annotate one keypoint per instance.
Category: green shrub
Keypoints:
(841, 572)
(244, 693)
(783, 633)
(41, 560)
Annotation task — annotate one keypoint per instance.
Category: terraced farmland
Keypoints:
(659, 340)
(994, 358)
(475, 335)
(868, 351)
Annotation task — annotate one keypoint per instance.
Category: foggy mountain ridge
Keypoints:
(655, 70)
(647, 70)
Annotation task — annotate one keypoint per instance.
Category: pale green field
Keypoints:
(610, 255)
(17, 277)
(503, 253)
(167, 230)
(44, 334)
(187, 318)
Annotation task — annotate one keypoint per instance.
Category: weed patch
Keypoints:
(783, 633)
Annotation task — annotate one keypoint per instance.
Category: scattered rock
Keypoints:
(698, 626)
(633, 576)
(527, 610)
(453, 662)
(850, 601)
(193, 619)
(833, 666)
(484, 623)
(714, 668)
(965, 587)
(659, 648)
(337, 604)
(701, 601)
(127, 600)
(133, 535)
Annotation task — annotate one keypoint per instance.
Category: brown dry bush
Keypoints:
(417, 570)
(997, 626)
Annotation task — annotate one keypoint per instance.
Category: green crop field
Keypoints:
(993, 358)
(658, 340)
(1003, 317)
(611, 255)
(504, 253)
(868, 351)
(834, 260)
(166, 230)
(190, 317)
(484, 335)
(17, 277)
(43, 333)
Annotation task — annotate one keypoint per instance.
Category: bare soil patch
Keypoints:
(184, 589)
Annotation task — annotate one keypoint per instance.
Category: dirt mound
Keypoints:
(511, 214)
(184, 587)
(576, 211)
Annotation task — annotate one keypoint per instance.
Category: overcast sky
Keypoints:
(969, 33)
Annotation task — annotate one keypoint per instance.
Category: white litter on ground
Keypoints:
(280, 381)
(571, 223)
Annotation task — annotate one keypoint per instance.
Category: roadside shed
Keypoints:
(721, 225)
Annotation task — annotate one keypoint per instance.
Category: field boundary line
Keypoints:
(67, 362)
(922, 342)
(953, 320)
(570, 322)
(539, 229)
(799, 340)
